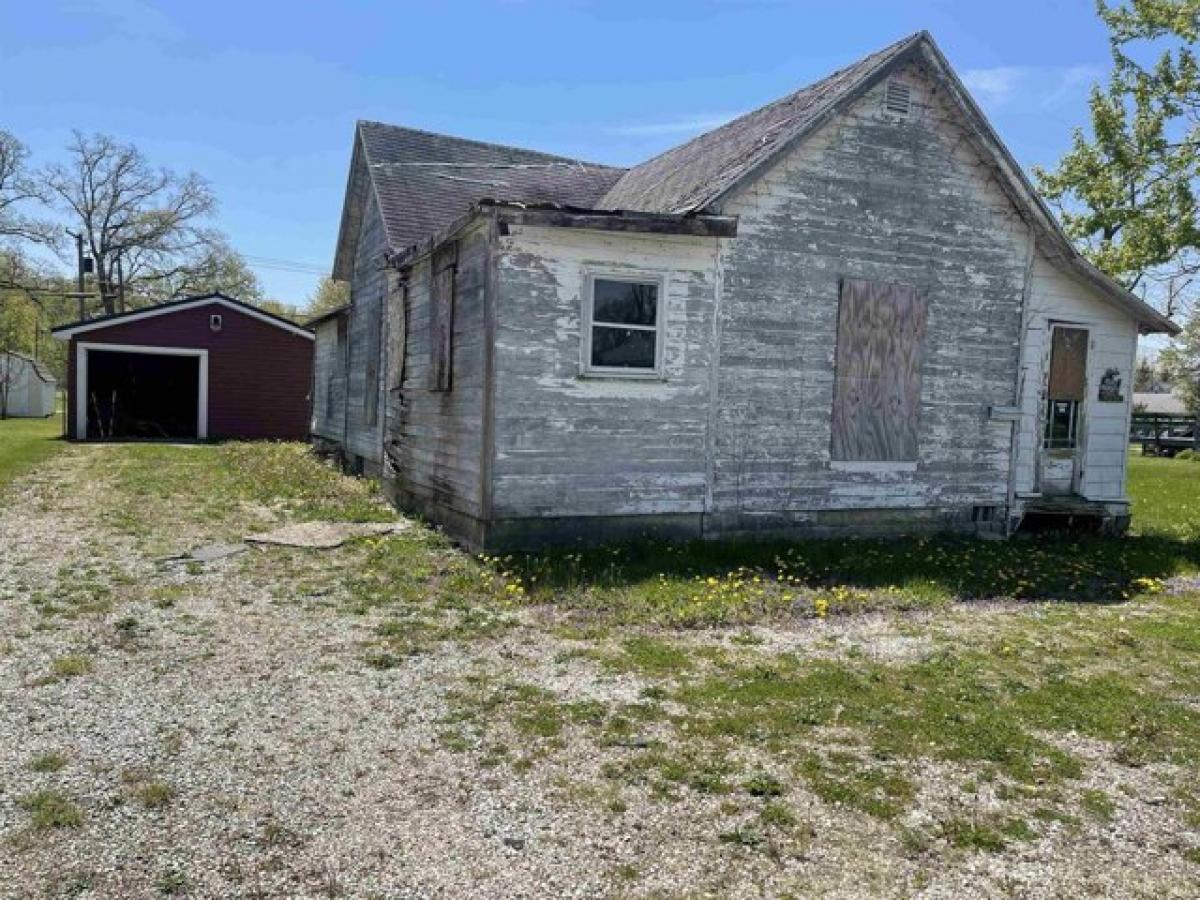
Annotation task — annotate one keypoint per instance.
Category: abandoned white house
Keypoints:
(27, 388)
(847, 311)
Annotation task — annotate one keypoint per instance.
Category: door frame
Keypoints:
(1079, 451)
(81, 379)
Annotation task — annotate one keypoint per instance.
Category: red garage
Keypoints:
(201, 368)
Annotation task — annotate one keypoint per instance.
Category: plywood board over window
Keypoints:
(1068, 364)
(441, 318)
(877, 393)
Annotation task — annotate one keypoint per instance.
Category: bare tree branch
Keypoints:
(18, 189)
(149, 219)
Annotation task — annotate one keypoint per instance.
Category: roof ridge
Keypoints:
(488, 144)
(800, 90)
(871, 62)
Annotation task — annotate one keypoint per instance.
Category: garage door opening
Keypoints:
(139, 395)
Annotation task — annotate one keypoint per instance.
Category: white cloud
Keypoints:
(676, 125)
(994, 85)
(1037, 87)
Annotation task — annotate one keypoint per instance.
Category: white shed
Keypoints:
(27, 388)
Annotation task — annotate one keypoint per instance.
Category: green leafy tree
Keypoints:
(1182, 362)
(1126, 191)
(222, 270)
(329, 295)
(1143, 376)
(18, 323)
(280, 308)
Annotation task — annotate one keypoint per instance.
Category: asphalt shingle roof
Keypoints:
(425, 181)
(687, 177)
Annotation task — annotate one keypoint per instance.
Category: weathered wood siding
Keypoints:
(878, 197)
(568, 445)
(1112, 344)
(364, 437)
(329, 381)
(434, 437)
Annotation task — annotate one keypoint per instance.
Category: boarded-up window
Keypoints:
(877, 394)
(441, 318)
(1068, 364)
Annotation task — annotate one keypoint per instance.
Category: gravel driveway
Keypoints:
(222, 729)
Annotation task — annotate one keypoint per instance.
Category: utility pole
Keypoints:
(120, 285)
(79, 285)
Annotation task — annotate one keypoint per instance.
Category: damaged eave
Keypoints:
(403, 259)
(554, 216)
(558, 216)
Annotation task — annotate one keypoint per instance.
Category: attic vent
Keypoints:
(897, 98)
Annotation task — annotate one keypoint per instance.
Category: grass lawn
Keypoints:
(26, 442)
(827, 718)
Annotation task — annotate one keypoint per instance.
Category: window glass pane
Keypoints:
(624, 302)
(625, 348)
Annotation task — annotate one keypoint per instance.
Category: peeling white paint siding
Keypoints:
(895, 199)
(1112, 343)
(568, 445)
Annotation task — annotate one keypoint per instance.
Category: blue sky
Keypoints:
(261, 98)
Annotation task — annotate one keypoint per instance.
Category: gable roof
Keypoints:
(64, 332)
(36, 366)
(1168, 404)
(424, 181)
(691, 175)
(696, 175)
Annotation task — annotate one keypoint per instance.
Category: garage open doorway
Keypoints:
(142, 393)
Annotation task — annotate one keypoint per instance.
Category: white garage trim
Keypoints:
(81, 380)
(63, 332)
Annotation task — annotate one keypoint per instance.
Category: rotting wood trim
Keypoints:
(690, 226)
(487, 449)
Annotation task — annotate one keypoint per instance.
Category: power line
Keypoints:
(285, 265)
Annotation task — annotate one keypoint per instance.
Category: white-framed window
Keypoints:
(623, 324)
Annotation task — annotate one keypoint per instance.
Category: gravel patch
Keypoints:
(290, 768)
